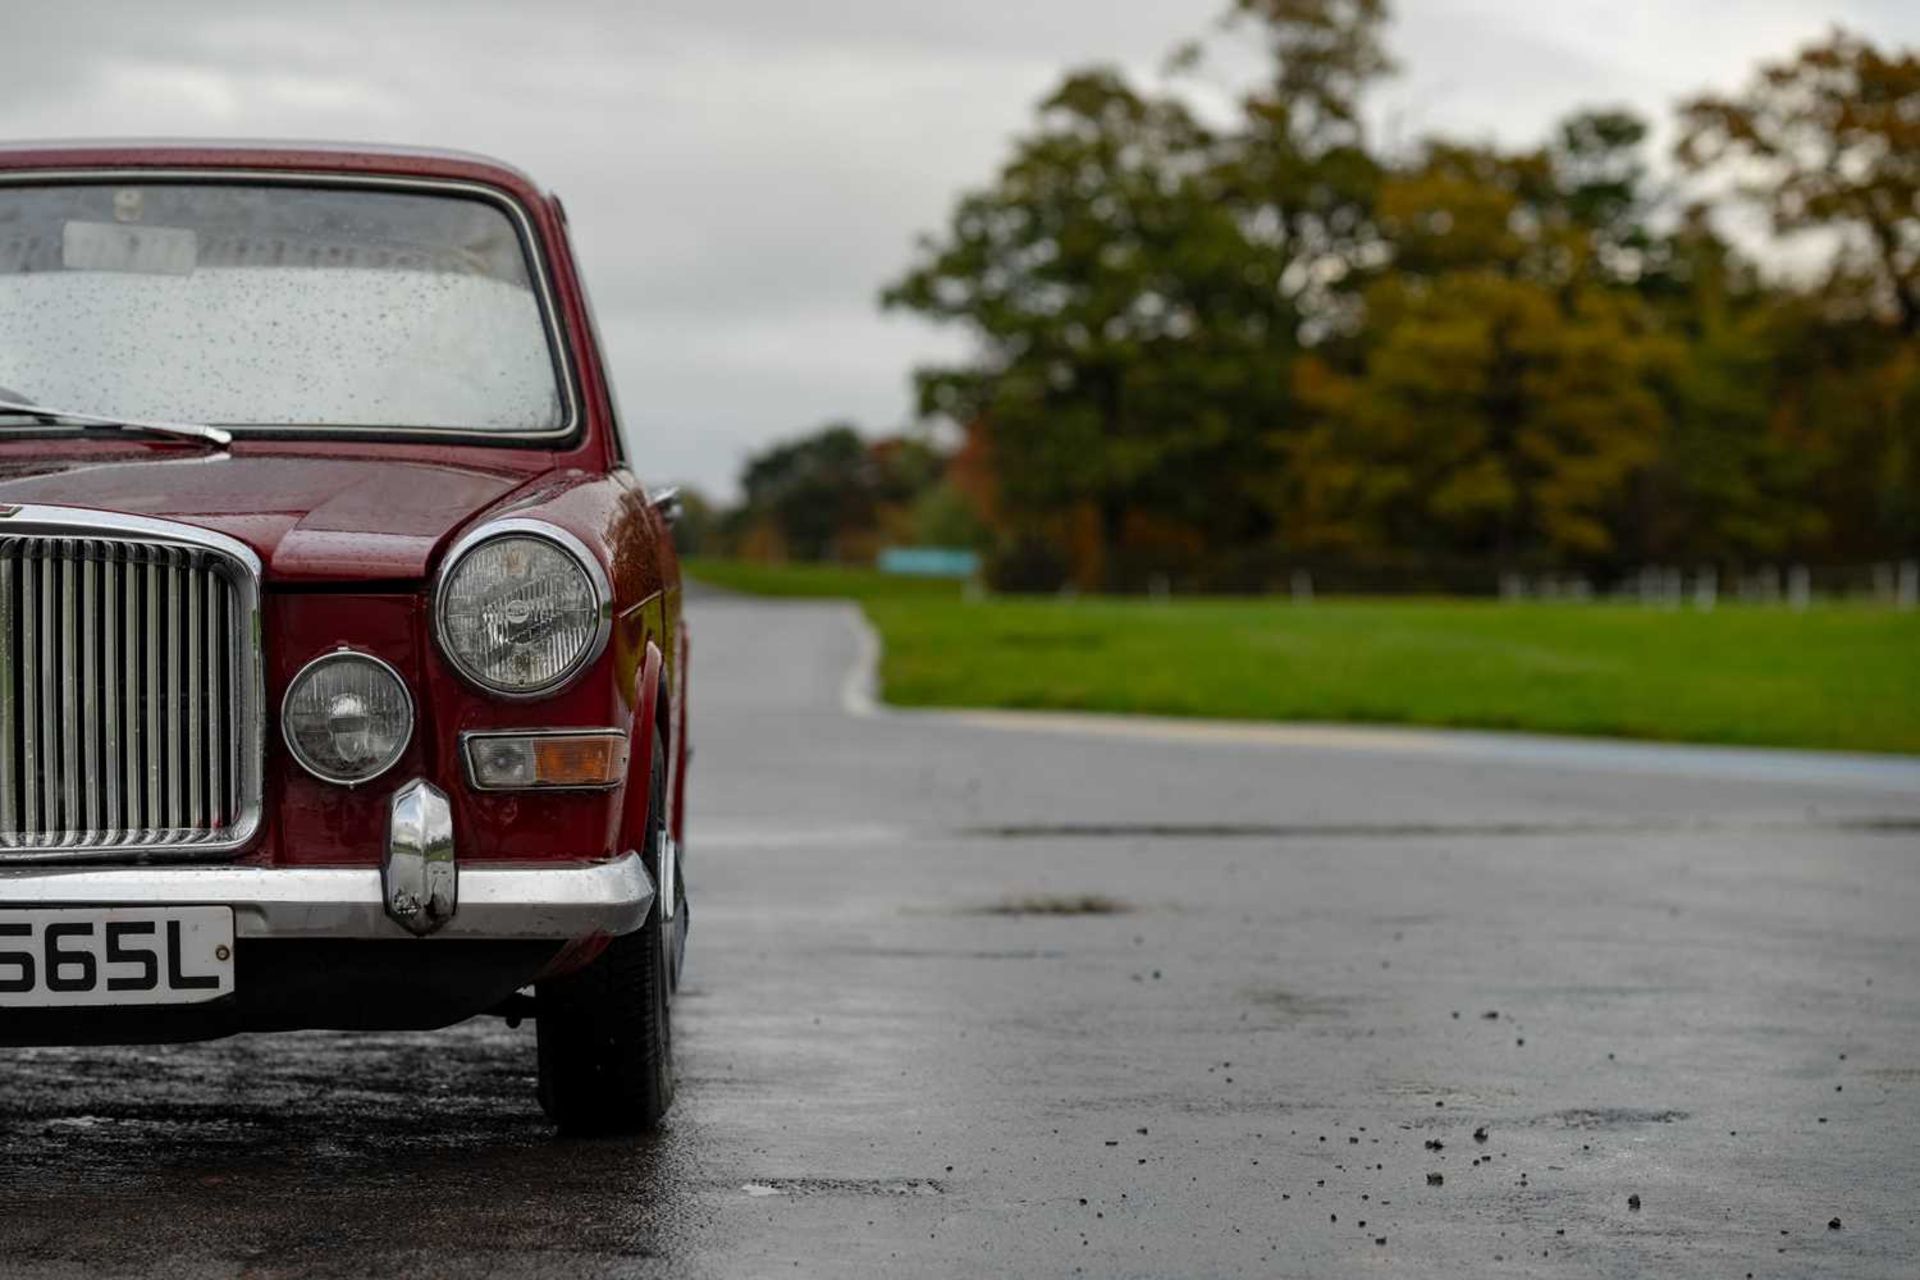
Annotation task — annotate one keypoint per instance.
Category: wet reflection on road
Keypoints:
(315, 1151)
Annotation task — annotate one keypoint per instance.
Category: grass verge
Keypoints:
(1839, 677)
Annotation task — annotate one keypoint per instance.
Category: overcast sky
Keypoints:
(744, 175)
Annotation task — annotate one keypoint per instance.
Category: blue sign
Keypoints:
(929, 562)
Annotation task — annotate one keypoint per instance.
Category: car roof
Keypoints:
(302, 156)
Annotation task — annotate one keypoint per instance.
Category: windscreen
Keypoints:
(271, 305)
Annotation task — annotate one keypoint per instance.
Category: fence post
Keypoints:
(1799, 588)
(1706, 589)
(1302, 587)
(1908, 596)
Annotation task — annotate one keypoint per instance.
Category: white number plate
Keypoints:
(90, 956)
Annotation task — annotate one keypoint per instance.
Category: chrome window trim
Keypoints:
(334, 655)
(521, 526)
(537, 260)
(34, 520)
(590, 731)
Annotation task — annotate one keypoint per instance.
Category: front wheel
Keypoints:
(605, 1033)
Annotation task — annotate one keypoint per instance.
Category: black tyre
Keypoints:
(606, 1033)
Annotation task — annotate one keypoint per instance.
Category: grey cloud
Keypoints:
(744, 175)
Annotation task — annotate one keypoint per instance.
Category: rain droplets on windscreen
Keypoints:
(270, 304)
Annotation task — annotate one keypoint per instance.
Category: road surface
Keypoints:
(993, 995)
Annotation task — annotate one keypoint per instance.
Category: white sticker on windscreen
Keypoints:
(108, 246)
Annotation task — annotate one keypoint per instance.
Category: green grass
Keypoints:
(1839, 676)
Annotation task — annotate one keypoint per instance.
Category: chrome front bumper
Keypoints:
(559, 902)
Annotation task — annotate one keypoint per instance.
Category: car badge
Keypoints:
(8, 509)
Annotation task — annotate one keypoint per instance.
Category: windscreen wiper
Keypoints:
(47, 413)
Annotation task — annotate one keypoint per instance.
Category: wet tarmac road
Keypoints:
(986, 997)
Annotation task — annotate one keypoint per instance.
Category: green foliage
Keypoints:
(1830, 140)
(1090, 276)
(699, 528)
(1137, 285)
(811, 488)
(1492, 416)
(821, 492)
(942, 517)
(1196, 339)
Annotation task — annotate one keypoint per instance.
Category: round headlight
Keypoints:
(522, 608)
(347, 717)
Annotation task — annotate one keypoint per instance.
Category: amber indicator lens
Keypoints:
(503, 762)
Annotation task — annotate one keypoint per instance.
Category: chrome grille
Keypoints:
(129, 690)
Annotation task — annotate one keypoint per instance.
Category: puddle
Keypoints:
(1284, 1003)
(1612, 1117)
(843, 1187)
(1082, 904)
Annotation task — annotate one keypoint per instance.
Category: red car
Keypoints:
(342, 676)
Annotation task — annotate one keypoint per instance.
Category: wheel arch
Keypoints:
(653, 713)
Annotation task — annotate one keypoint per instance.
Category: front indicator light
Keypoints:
(544, 761)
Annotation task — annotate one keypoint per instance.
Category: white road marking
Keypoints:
(1896, 774)
(859, 691)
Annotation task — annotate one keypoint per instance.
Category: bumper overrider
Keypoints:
(419, 890)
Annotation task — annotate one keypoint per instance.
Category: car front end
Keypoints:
(340, 656)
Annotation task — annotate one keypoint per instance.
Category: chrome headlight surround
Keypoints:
(294, 687)
(568, 545)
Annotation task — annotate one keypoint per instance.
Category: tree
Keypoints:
(1324, 55)
(1830, 140)
(1090, 275)
(1489, 420)
(1298, 169)
(1138, 283)
(811, 489)
(1202, 342)
(1468, 208)
(699, 529)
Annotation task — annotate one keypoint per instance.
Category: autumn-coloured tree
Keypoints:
(1222, 342)
(1489, 419)
(1828, 141)
(1137, 284)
